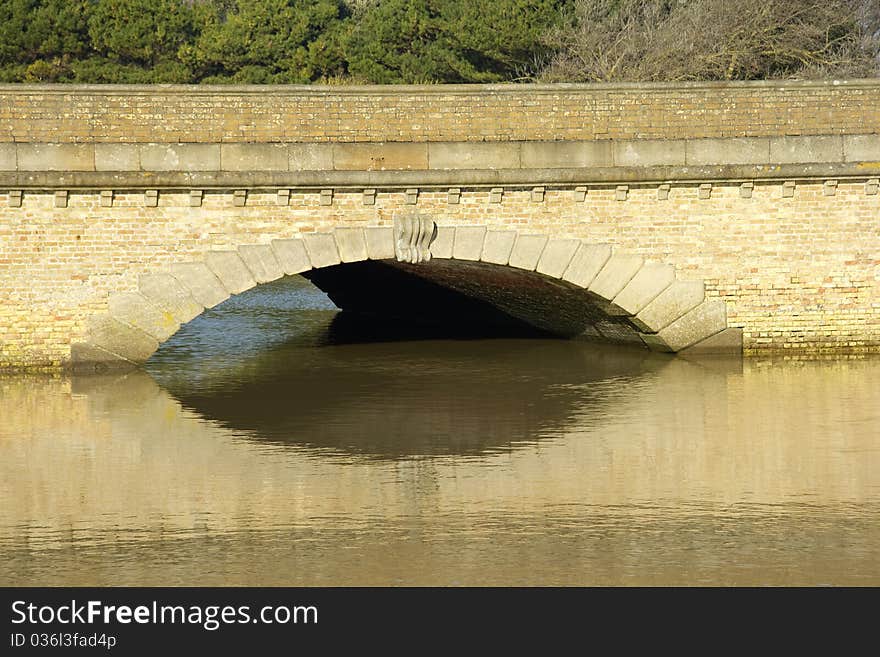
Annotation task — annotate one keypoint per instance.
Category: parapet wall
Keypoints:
(210, 114)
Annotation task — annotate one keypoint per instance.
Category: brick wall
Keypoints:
(797, 273)
(435, 113)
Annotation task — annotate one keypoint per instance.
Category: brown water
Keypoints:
(264, 446)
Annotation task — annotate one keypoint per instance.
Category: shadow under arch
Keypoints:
(558, 285)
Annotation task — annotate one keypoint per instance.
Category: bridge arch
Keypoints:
(564, 286)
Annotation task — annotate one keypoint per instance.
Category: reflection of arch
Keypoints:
(562, 285)
(410, 398)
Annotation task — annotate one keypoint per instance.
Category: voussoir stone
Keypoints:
(86, 357)
(231, 270)
(292, 255)
(136, 310)
(167, 292)
(322, 249)
(120, 339)
(588, 261)
(351, 243)
(497, 246)
(468, 244)
(644, 287)
(261, 260)
(704, 321)
(527, 251)
(729, 341)
(380, 242)
(202, 283)
(614, 276)
(556, 256)
(669, 305)
(442, 245)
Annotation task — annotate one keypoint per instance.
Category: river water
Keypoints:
(274, 441)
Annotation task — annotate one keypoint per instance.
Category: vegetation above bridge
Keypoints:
(435, 41)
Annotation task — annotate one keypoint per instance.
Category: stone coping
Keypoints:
(469, 162)
(423, 89)
(564, 177)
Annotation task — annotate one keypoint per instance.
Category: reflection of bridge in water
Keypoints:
(634, 472)
(414, 397)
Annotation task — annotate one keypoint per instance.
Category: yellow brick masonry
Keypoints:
(798, 274)
(170, 114)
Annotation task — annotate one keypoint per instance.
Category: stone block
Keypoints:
(442, 245)
(136, 310)
(322, 249)
(861, 148)
(380, 156)
(650, 152)
(292, 255)
(556, 256)
(644, 287)
(468, 244)
(180, 157)
(527, 251)
(117, 157)
(351, 243)
(254, 157)
(261, 260)
(56, 157)
(613, 277)
(120, 339)
(673, 302)
(8, 157)
(89, 359)
(566, 154)
(202, 283)
(497, 246)
(473, 155)
(619, 333)
(310, 157)
(166, 292)
(230, 269)
(588, 260)
(745, 150)
(380, 242)
(812, 148)
(727, 342)
(704, 321)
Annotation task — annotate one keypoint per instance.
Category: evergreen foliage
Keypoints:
(433, 41)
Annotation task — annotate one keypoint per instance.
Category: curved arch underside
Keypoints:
(500, 279)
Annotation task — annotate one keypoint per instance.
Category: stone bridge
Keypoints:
(739, 217)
